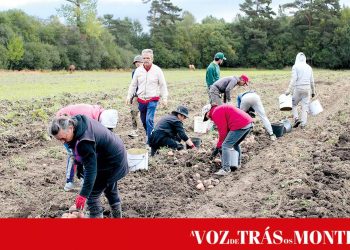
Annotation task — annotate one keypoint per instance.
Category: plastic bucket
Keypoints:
(199, 125)
(315, 107)
(233, 159)
(287, 126)
(137, 158)
(285, 102)
(278, 129)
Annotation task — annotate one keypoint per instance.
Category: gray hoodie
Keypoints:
(302, 75)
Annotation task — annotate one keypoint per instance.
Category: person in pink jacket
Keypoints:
(108, 118)
(233, 126)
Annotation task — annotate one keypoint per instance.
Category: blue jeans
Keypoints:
(147, 112)
(70, 164)
(112, 194)
(232, 140)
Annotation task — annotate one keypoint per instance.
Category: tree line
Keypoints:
(258, 37)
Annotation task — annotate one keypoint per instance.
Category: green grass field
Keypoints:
(27, 85)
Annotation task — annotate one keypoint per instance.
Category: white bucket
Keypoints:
(315, 107)
(137, 159)
(199, 125)
(285, 102)
(234, 155)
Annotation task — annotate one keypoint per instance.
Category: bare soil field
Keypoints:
(305, 173)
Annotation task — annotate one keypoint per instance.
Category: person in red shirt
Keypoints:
(233, 126)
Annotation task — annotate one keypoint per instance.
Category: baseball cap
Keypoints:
(109, 118)
(181, 110)
(137, 58)
(220, 55)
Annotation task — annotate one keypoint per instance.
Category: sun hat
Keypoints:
(109, 118)
(137, 58)
(205, 110)
(181, 110)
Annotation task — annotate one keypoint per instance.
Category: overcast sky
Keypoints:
(135, 9)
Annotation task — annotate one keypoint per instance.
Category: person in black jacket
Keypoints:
(169, 131)
(103, 156)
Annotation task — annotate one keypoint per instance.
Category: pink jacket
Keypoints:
(91, 111)
(228, 118)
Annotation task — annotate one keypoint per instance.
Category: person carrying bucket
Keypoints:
(233, 126)
(301, 85)
(108, 118)
(250, 102)
(169, 131)
(224, 86)
(104, 157)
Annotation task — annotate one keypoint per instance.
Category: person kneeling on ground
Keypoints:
(108, 118)
(104, 157)
(250, 102)
(169, 131)
(233, 126)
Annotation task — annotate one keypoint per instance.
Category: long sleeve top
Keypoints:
(148, 84)
(91, 111)
(225, 85)
(212, 74)
(228, 118)
(302, 75)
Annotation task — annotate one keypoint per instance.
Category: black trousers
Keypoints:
(166, 142)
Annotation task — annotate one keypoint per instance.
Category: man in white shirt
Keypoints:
(150, 85)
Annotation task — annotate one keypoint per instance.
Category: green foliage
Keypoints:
(15, 50)
(3, 57)
(257, 38)
(40, 56)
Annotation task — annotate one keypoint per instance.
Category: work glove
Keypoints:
(215, 152)
(312, 95)
(80, 202)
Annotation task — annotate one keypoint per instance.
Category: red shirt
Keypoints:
(228, 118)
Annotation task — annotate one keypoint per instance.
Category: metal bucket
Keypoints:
(287, 126)
(196, 141)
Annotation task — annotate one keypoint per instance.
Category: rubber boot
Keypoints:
(116, 211)
(95, 213)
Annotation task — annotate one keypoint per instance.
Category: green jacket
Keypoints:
(213, 74)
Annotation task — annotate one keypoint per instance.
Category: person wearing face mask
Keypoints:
(302, 87)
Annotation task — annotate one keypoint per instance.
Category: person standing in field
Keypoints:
(134, 110)
(225, 86)
(108, 118)
(104, 157)
(301, 85)
(150, 86)
(250, 103)
(233, 126)
(213, 70)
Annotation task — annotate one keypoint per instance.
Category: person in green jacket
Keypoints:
(213, 70)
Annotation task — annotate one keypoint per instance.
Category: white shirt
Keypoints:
(148, 84)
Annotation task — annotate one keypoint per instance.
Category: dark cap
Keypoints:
(181, 110)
